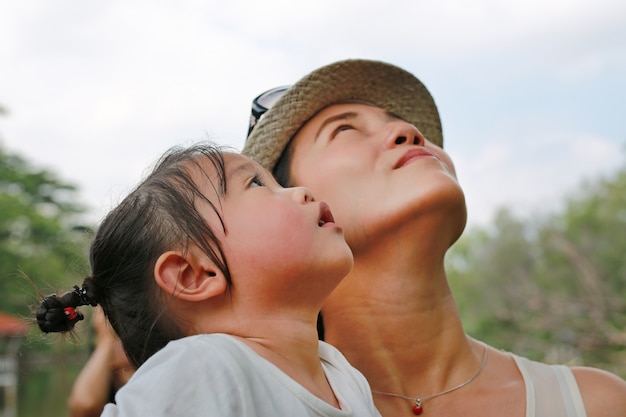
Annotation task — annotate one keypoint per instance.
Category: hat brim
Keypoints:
(384, 85)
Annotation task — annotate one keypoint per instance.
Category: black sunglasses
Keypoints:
(263, 103)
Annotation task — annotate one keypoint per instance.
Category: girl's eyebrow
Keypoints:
(240, 169)
(341, 116)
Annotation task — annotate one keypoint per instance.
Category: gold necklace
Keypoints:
(418, 408)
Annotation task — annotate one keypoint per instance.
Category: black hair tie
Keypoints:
(83, 298)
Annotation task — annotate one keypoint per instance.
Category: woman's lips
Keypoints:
(413, 154)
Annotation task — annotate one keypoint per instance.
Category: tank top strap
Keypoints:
(551, 390)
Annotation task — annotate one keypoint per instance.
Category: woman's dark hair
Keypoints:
(283, 177)
(161, 214)
(281, 169)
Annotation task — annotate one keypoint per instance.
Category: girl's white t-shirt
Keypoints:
(218, 375)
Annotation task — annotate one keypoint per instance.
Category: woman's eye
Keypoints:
(341, 128)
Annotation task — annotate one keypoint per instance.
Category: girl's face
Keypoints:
(376, 170)
(282, 241)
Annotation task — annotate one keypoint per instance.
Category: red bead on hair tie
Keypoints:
(70, 312)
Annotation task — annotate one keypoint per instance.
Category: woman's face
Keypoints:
(376, 171)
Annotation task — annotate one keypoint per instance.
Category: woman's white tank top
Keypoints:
(551, 390)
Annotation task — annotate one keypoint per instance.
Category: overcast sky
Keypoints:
(531, 93)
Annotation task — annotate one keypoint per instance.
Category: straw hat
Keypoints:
(379, 83)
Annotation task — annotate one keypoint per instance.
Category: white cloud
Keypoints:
(533, 176)
(97, 90)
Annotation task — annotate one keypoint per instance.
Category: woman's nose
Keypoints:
(403, 133)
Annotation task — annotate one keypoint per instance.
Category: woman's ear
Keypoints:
(191, 276)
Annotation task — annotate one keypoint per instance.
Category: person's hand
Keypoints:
(104, 331)
(121, 368)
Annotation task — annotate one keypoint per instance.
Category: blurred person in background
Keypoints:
(105, 372)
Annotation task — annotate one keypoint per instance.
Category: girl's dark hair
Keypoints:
(161, 214)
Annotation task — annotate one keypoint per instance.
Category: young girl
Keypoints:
(213, 275)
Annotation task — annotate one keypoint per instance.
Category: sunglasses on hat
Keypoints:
(262, 103)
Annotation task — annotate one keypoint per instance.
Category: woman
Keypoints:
(365, 136)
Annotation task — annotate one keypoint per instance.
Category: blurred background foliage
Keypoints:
(551, 288)
(40, 233)
(43, 249)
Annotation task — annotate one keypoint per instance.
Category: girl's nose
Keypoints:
(301, 194)
(400, 132)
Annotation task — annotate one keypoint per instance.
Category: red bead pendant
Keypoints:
(417, 408)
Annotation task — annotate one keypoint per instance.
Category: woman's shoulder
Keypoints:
(603, 392)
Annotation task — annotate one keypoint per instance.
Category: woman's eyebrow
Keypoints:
(394, 116)
(341, 116)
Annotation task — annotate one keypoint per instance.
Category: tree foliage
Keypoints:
(553, 289)
(40, 234)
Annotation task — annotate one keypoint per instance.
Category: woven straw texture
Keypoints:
(379, 83)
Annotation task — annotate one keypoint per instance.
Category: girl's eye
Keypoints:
(256, 182)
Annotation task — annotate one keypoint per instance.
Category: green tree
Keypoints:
(585, 247)
(40, 232)
(553, 288)
(42, 236)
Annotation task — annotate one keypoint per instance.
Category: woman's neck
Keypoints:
(398, 325)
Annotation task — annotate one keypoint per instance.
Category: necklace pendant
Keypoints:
(417, 408)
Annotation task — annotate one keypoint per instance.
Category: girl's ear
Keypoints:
(191, 276)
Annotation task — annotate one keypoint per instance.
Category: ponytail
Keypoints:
(161, 213)
(59, 314)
